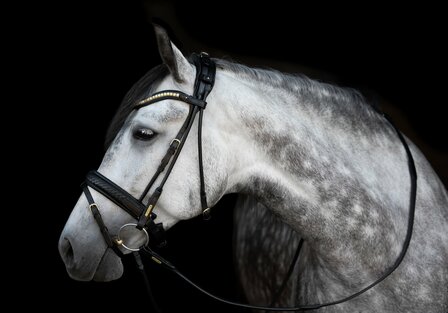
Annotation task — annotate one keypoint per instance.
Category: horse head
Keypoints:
(144, 134)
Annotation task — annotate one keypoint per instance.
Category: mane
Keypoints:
(322, 95)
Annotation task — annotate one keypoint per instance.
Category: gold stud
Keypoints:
(148, 210)
(156, 260)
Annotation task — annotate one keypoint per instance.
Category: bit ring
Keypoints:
(119, 239)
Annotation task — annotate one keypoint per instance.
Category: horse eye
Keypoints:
(143, 134)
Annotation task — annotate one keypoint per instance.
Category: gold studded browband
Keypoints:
(170, 94)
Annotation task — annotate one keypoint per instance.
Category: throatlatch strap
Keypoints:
(205, 209)
(205, 79)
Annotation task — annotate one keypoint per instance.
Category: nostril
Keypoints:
(66, 251)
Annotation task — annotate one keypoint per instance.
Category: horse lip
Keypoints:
(109, 274)
(74, 273)
(79, 271)
(75, 266)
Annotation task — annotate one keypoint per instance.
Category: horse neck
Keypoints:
(330, 167)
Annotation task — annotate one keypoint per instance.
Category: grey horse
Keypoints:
(312, 160)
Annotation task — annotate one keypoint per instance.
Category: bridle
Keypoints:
(145, 217)
(143, 213)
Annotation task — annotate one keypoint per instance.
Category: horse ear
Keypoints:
(177, 64)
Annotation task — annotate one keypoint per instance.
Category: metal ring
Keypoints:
(126, 247)
(175, 140)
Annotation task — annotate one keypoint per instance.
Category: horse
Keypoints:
(309, 160)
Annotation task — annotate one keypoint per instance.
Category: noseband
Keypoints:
(154, 233)
(143, 213)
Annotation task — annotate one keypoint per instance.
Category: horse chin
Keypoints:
(110, 268)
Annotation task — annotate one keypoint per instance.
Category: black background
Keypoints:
(83, 56)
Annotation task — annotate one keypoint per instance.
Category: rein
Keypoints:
(154, 232)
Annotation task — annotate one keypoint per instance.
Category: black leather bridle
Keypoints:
(143, 213)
